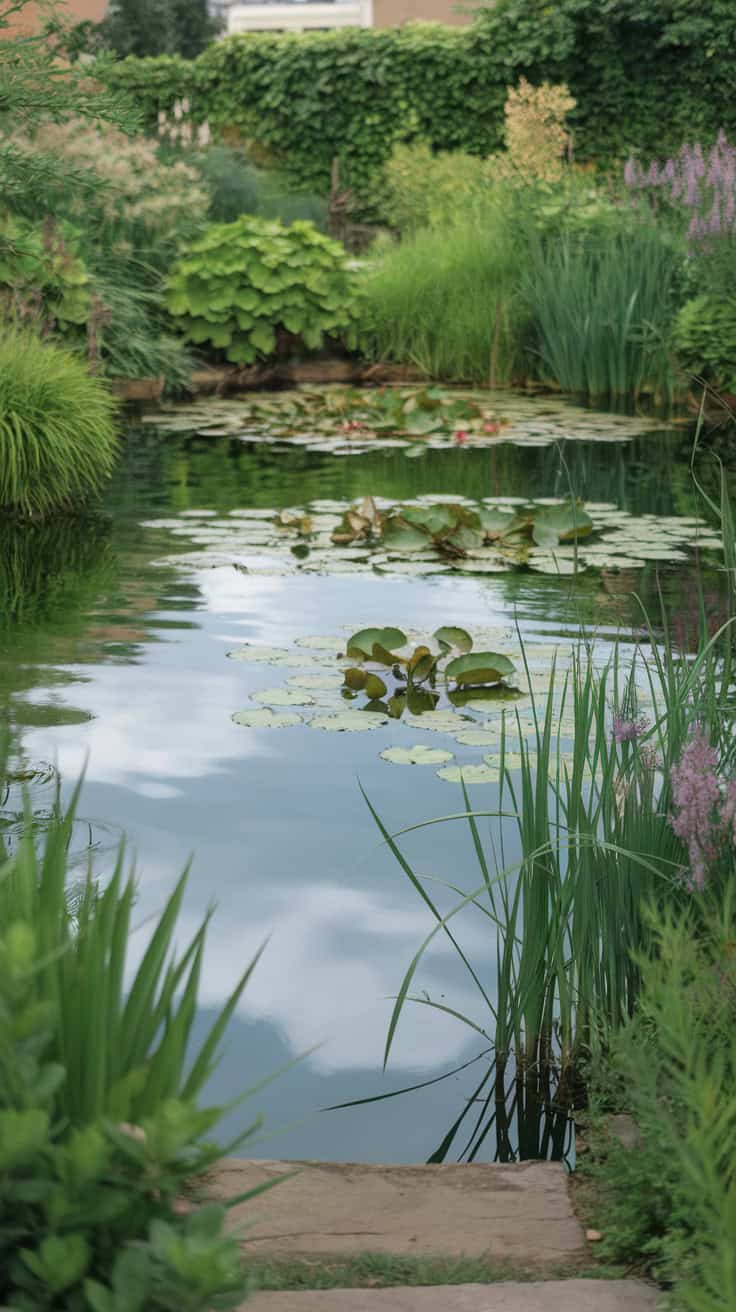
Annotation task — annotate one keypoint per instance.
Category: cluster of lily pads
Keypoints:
(345, 420)
(433, 535)
(447, 683)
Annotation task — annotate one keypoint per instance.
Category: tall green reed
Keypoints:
(593, 849)
(123, 1036)
(603, 305)
(446, 299)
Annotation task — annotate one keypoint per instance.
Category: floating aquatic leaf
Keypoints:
(283, 697)
(451, 638)
(439, 721)
(479, 737)
(556, 524)
(355, 679)
(418, 755)
(362, 643)
(374, 686)
(319, 643)
(479, 667)
(348, 721)
(470, 774)
(511, 760)
(267, 719)
(250, 652)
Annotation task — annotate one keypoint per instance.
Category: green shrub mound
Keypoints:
(705, 339)
(241, 285)
(57, 428)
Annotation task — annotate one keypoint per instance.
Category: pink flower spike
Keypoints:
(461, 436)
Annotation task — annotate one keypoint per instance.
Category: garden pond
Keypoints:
(184, 646)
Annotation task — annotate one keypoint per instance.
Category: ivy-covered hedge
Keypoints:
(647, 75)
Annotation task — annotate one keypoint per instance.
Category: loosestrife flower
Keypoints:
(702, 818)
(627, 730)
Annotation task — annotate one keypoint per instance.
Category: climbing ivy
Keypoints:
(647, 74)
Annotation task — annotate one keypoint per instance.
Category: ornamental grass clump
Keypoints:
(57, 428)
(244, 288)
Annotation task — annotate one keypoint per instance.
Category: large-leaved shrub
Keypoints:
(705, 339)
(57, 428)
(241, 285)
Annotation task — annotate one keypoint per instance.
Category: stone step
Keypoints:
(544, 1296)
(518, 1215)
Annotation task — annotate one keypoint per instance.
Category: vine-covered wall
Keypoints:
(647, 75)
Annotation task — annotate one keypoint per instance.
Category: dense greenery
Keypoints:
(99, 1132)
(170, 27)
(356, 94)
(241, 284)
(668, 1198)
(57, 428)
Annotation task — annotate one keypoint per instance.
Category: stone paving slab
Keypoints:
(545, 1296)
(517, 1213)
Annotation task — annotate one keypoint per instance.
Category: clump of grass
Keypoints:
(603, 305)
(57, 428)
(446, 300)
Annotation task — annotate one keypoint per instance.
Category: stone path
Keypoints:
(516, 1213)
(519, 1217)
(549, 1296)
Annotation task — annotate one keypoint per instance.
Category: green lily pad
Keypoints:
(480, 667)
(439, 721)
(361, 644)
(348, 721)
(267, 719)
(452, 638)
(317, 682)
(470, 774)
(319, 643)
(418, 755)
(479, 737)
(283, 697)
(565, 523)
(401, 536)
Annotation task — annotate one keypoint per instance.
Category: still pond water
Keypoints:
(112, 658)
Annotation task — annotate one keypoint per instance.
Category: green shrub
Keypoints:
(705, 339)
(427, 190)
(91, 1214)
(57, 428)
(446, 300)
(672, 1198)
(43, 280)
(241, 284)
(237, 187)
(357, 94)
(602, 301)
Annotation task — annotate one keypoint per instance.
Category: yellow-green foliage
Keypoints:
(426, 190)
(57, 428)
(535, 134)
(241, 283)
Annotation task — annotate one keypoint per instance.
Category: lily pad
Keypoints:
(316, 682)
(452, 638)
(419, 755)
(479, 667)
(318, 643)
(565, 523)
(348, 721)
(361, 644)
(267, 719)
(283, 697)
(470, 774)
(439, 721)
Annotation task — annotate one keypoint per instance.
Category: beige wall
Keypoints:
(33, 16)
(388, 13)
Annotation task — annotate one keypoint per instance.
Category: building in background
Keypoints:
(319, 15)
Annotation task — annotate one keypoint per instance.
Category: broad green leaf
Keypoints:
(361, 644)
(419, 755)
(555, 524)
(452, 638)
(479, 667)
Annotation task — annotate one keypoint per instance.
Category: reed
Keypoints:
(122, 1036)
(446, 300)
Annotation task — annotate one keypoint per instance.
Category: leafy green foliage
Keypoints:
(705, 339)
(424, 190)
(42, 278)
(57, 429)
(237, 186)
(170, 27)
(670, 1198)
(241, 284)
(359, 94)
(91, 1214)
